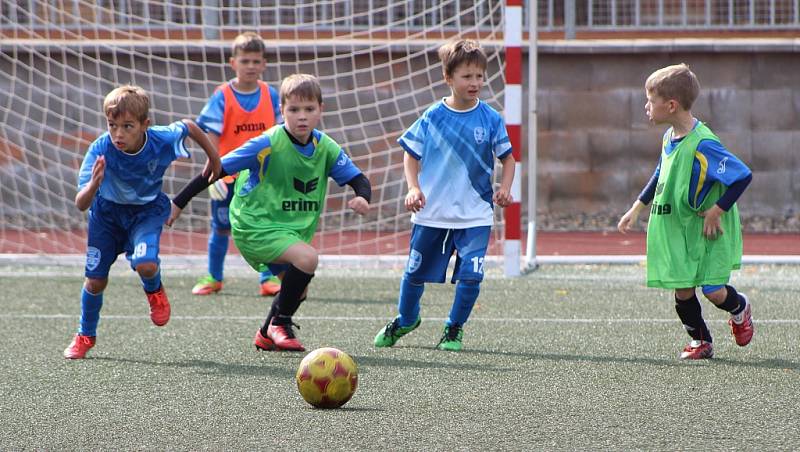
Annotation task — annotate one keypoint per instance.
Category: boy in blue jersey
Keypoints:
(120, 183)
(240, 109)
(278, 199)
(449, 158)
(693, 235)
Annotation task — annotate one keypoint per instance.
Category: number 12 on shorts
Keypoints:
(477, 264)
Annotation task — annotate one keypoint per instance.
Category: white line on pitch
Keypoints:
(382, 319)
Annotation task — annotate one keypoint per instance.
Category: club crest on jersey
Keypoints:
(721, 168)
(479, 134)
(152, 165)
(222, 215)
(414, 261)
(92, 258)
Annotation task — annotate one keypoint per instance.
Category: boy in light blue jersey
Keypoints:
(449, 159)
(120, 183)
(239, 110)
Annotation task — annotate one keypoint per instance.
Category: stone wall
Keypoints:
(597, 150)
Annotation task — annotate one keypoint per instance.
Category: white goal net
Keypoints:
(376, 60)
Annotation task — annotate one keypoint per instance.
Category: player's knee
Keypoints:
(717, 296)
(307, 261)
(95, 286)
(147, 269)
(684, 294)
(471, 282)
(225, 232)
(413, 280)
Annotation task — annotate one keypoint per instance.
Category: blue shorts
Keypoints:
(219, 211)
(431, 249)
(114, 228)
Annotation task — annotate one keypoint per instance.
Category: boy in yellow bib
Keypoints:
(693, 235)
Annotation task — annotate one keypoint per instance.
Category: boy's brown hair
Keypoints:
(127, 99)
(249, 42)
(301, 86)
(676, 82)
(461, 51)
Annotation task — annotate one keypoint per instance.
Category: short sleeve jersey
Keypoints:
(457, 151)
(713, 162)
(135, 178)
(282, 185)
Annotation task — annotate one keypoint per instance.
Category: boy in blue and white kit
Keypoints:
(448, 163)
(120, 179)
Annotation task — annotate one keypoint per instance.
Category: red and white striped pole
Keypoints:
(513, 117)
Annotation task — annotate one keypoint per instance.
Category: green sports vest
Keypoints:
(290, 195)
(678, 254)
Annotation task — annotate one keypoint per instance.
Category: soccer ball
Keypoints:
(327, 378)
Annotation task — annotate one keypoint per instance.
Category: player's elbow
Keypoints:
(80, 204)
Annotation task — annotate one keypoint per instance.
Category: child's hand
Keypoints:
(712, 228)
(218, 191)
(359, 205)
(627, 221)
(173, 215)
(415, 200)
(98, 171)
(502, 197)
(213, 168)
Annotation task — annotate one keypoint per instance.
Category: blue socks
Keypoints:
(408, 304)
(410, 294)
(152, 284)
(217, 249)
(90, 312)
(466, 295)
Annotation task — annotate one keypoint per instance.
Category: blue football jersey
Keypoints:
(212, 114)
(250, 156)
(713, 162)
(135, 178)
(457, 151)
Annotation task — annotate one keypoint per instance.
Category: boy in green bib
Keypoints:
(693, 235)
(278, 199)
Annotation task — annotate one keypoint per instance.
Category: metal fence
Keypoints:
(353, 15)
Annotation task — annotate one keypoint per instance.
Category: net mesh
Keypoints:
(376, 61)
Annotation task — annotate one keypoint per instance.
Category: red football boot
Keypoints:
(263, 343)
(159, 306)
(284, 338)
(79, 346)
(743, 331)
(698, 350)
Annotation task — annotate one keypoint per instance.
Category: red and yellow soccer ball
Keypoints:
(327, 378)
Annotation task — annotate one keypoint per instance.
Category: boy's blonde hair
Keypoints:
(127, 99)
(301, 86)
(676, 82)
(249, 42)
(461, 51)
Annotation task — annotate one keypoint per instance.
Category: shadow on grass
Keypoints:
(345, 409)
(417, 364)
(212, 367)
(355, 301)
(775, 363)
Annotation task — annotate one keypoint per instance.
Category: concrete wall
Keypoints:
(597, 150)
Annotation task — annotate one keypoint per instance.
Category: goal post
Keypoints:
(376, 60)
